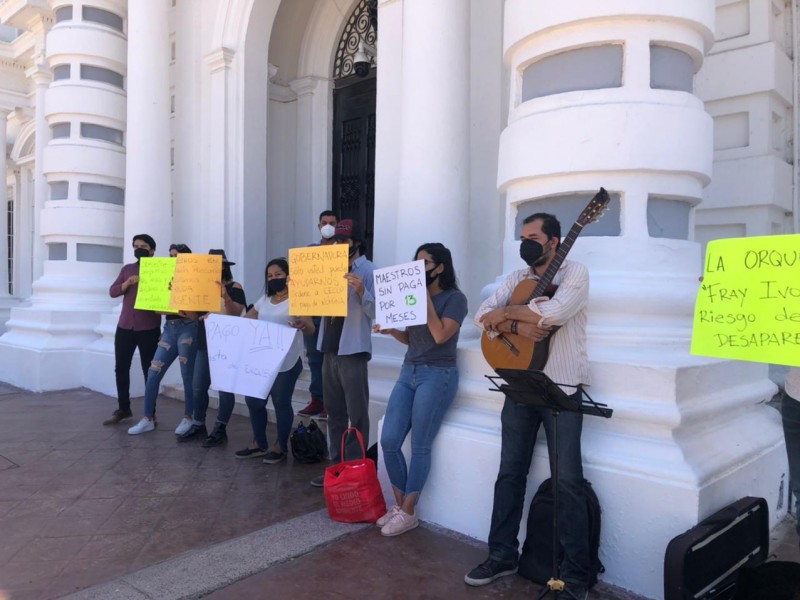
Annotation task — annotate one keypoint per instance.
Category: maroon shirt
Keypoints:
(130, 318)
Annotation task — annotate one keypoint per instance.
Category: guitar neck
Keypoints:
(555, 264)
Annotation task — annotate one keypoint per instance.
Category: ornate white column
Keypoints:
(613, 104)
(41, 77)
(434, 159)
(148, 194)
(388, 129)
(313, 190)
(78, 179)
(3, 202)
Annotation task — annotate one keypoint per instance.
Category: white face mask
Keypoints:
(327, 231)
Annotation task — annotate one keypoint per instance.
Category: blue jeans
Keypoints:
(790, 413)
(520, 426)
(314, 358)
(418, 403)
(281, 393)
(178, 340)
(200, 383)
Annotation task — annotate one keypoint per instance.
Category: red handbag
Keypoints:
(352, 491)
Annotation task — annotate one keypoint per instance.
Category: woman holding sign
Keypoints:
(426, 387)
(178, 340)
(233, 304)
(274, 307)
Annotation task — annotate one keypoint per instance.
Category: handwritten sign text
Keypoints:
(748, 305)
(318, 287)
(245, 355)
(400, 295)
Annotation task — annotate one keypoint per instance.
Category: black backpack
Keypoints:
(536, 561)
(308, 444)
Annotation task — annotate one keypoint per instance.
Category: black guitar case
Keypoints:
(704, 563)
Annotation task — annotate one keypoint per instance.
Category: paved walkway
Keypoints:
(90, 512)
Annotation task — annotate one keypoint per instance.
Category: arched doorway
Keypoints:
(353, 140)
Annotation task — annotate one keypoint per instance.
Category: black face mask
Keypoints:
(353, 251)
(276, 286)
(430, 278)
(140, 253)
(530, 251)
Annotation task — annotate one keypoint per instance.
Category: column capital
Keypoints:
(30, 15)
(220, 59)
(41, 75)
(307, 85)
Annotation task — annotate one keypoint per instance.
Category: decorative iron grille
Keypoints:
(362, 25)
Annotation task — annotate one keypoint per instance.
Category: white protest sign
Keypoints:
(400, 295)
(245, 355)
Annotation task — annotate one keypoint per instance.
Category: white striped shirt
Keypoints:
(568, 362)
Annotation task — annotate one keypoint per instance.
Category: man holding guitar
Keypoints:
(518, 319)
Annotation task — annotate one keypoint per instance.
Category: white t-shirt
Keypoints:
(279, 313)
(792, 385)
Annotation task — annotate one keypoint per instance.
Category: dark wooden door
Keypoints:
(354, 155)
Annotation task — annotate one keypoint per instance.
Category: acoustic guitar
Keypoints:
(514, 351)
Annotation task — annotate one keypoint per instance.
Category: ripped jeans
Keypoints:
(179, 340)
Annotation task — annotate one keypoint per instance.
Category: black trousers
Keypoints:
(125, 343)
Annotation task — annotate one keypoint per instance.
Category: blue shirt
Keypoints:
(357, 328)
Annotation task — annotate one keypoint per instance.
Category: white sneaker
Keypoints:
(142, 426)
(183, 426)
(388, 516)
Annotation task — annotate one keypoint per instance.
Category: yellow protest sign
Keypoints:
(748, 305)
(194, 286)
(317, 284)
(155, 276)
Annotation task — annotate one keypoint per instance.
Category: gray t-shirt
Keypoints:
(422, 349)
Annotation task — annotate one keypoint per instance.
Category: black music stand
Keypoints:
(537, 389)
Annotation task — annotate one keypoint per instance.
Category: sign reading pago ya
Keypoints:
(748, 305)
(245, 355)
(401, 296)
(317, 285)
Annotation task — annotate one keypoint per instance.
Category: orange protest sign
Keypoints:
(317, 284)
(194, 285)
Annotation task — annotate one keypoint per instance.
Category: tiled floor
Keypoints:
(81, 503)
(422, 563)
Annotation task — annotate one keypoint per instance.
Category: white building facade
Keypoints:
(233, 123)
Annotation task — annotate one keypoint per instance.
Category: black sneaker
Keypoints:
(318, 481)
(217, 438)
(488, 571)
(117, 416)
(273, 458)
(251, 453)
(193, 432)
